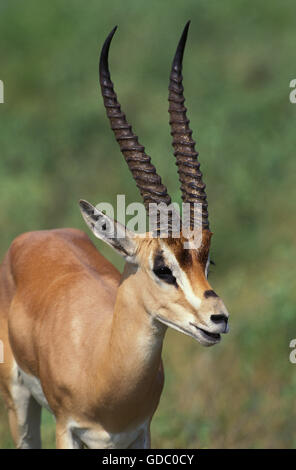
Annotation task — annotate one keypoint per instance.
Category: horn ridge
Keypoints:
(190, 176)
(139, 163)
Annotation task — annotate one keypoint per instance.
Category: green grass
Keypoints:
(56, 147)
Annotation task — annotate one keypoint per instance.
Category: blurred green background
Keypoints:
(56, 147)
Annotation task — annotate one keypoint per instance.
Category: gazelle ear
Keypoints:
(110, 231)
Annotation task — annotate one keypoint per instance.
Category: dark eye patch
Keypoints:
(162, 271)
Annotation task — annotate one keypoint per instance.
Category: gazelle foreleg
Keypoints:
(24, 415)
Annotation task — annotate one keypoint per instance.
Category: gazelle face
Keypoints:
(177, 292)
(171, 279)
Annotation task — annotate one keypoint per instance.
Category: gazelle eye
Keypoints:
(165, 274)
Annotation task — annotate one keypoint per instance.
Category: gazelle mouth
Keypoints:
(207, 334)
(204, 337)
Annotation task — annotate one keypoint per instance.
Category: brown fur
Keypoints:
(69, 318)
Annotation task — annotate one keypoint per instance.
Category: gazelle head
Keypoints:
(171, 273)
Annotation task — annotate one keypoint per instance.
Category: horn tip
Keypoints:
(104, 69)
(178, 59)
(110, 36)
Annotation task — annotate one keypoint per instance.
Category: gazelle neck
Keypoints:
(135, 335)
(134, 351)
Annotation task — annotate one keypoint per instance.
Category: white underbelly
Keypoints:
(94, 437)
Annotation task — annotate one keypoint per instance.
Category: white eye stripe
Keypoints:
(181, 277)
(191, 297)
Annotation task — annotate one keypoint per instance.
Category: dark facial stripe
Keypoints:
(183, 256)
(203, 252)
(210, 293)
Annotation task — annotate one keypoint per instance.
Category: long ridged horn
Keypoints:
(190, 176)
(143, 171)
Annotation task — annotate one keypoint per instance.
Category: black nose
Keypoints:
(221, 318)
